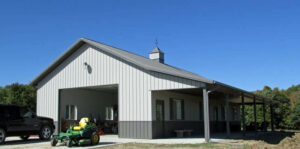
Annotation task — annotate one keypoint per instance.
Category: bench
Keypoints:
(180, 133)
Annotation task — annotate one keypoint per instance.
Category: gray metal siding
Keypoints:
(135, 84)
(136, 129)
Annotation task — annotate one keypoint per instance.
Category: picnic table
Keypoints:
(183, 132)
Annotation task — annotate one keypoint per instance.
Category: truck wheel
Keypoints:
(25, 137)
(2, 135)
(95, 138)
(69, 143)
(45, 133)
(53, 142)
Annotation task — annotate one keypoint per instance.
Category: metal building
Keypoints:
(144, 96)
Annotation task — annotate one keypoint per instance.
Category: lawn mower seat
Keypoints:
(82, 123)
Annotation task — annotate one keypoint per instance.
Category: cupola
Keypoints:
(157, 55)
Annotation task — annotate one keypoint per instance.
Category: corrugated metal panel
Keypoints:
(135, 84)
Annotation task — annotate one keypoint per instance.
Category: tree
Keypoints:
(294, 118)
(19, 94)
(2, 95)
(281, 108)
(293, 93)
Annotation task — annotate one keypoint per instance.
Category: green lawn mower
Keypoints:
(86, 133)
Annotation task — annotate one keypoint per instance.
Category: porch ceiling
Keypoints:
(219, 92)
(113, 89)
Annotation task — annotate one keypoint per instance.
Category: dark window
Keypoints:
(13, 113)
(1, 113)
(71, 112)
(25, 113)
(200, 111)
(234, 113)
(216, 111)
(223, 113)
(109, 113)
(159, 110)
(176, 109)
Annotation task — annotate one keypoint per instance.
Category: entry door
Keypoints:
(160, 117)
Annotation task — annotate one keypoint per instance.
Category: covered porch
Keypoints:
(215, 109)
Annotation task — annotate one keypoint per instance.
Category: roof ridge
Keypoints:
(114, 47)
(177, 68)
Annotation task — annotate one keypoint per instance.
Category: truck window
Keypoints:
(1, 113)
(13, 113)
(25, 113)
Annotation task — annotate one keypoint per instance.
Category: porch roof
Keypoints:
(220, 90)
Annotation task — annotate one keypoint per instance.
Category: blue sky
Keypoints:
(247, 44)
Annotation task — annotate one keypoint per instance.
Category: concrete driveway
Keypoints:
(105, 140)
(35, 143)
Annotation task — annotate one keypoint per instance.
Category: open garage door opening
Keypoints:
(99, 103)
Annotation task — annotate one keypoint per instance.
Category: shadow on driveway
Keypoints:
(100, 144)
(20, 142)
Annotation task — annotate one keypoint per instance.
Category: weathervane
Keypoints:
(156, 42)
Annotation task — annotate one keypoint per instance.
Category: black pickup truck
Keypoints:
(18, 121)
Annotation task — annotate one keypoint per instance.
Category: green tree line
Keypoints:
(19, 94)
(286, 108)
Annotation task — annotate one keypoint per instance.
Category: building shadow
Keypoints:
(274, 137)
(270, 137)
(20, 142)
(101, 144)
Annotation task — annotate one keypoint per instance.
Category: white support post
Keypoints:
(206, 115)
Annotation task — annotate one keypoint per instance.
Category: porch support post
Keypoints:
(264, 115)
(243, 115)
(254, 108)
(272, 117)
(206, 115)
(227, 116)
